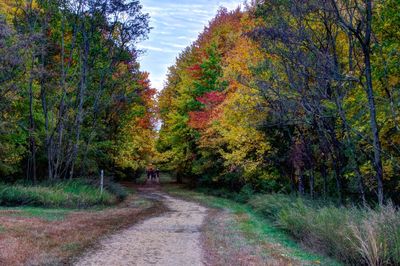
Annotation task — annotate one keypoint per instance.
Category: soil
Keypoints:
(172, 238)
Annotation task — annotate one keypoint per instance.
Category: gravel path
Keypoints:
(171, 239)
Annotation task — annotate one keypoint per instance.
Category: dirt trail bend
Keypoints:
(170, 239)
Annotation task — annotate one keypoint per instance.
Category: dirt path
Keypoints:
(170, 239)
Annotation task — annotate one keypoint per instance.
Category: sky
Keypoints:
(176, 24)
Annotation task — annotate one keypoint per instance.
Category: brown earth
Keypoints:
(170, 239)
(35, 241)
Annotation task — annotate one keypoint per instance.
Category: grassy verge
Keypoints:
(35, 212)
(352, 235)
(246, 235)
(55, 236)
(67, 194)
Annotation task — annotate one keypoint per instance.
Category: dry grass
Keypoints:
(36, 241)
(225, 243)
(226, 246)
(355, 236)
(233, 234)
(377, 237)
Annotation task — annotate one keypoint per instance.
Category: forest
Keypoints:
(286, 113)
(73, 99)
(289, 96)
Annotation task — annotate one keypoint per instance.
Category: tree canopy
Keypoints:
(72, 96)
(289, 96)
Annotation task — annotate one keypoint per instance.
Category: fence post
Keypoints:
(101, 180)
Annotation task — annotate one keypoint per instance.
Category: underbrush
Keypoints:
(65, 194)
(352, 235)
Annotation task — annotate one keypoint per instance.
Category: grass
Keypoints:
(257, 230)
(350, 234)
(67, 194)
(35, 212)
(55, 236)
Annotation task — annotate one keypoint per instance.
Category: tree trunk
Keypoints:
(82, 91)
(31, 170)
(301, 184)
(312, 182)
(324, 180)
(371, 103)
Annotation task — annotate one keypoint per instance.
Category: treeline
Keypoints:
(290, 96)
(72, 96)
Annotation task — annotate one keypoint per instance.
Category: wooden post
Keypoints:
(101, 180)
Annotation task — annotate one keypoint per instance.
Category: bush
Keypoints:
(69, 194)
(270, 205)
(352, 235)
(117, 189)
(245, 194)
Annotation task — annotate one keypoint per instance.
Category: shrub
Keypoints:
(117, 189)
(245, 194)
(270, 205)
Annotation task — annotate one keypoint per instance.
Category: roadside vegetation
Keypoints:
(239, 235)
(67, 194)
(348, 235)
(55, 234)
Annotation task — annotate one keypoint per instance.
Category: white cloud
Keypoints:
(176, 24)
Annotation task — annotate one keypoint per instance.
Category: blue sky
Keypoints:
(176, 24)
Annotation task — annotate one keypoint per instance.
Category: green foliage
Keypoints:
(73, 99)
(274, 97)
(117, 190)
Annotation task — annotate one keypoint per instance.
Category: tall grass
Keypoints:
(68, 194)
(352, 235)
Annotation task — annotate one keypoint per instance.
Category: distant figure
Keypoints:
(158, 174)
(150, 173)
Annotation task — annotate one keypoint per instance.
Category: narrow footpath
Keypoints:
(170, 239)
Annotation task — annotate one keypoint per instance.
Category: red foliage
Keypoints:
(199, 119)
(147, 94)
(195, 71)
(211, 100)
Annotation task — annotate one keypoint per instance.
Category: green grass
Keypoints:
(36, 212)
(350, 234)
(256, 228)
(68, 194)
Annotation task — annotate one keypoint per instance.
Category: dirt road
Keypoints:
(170, 239)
